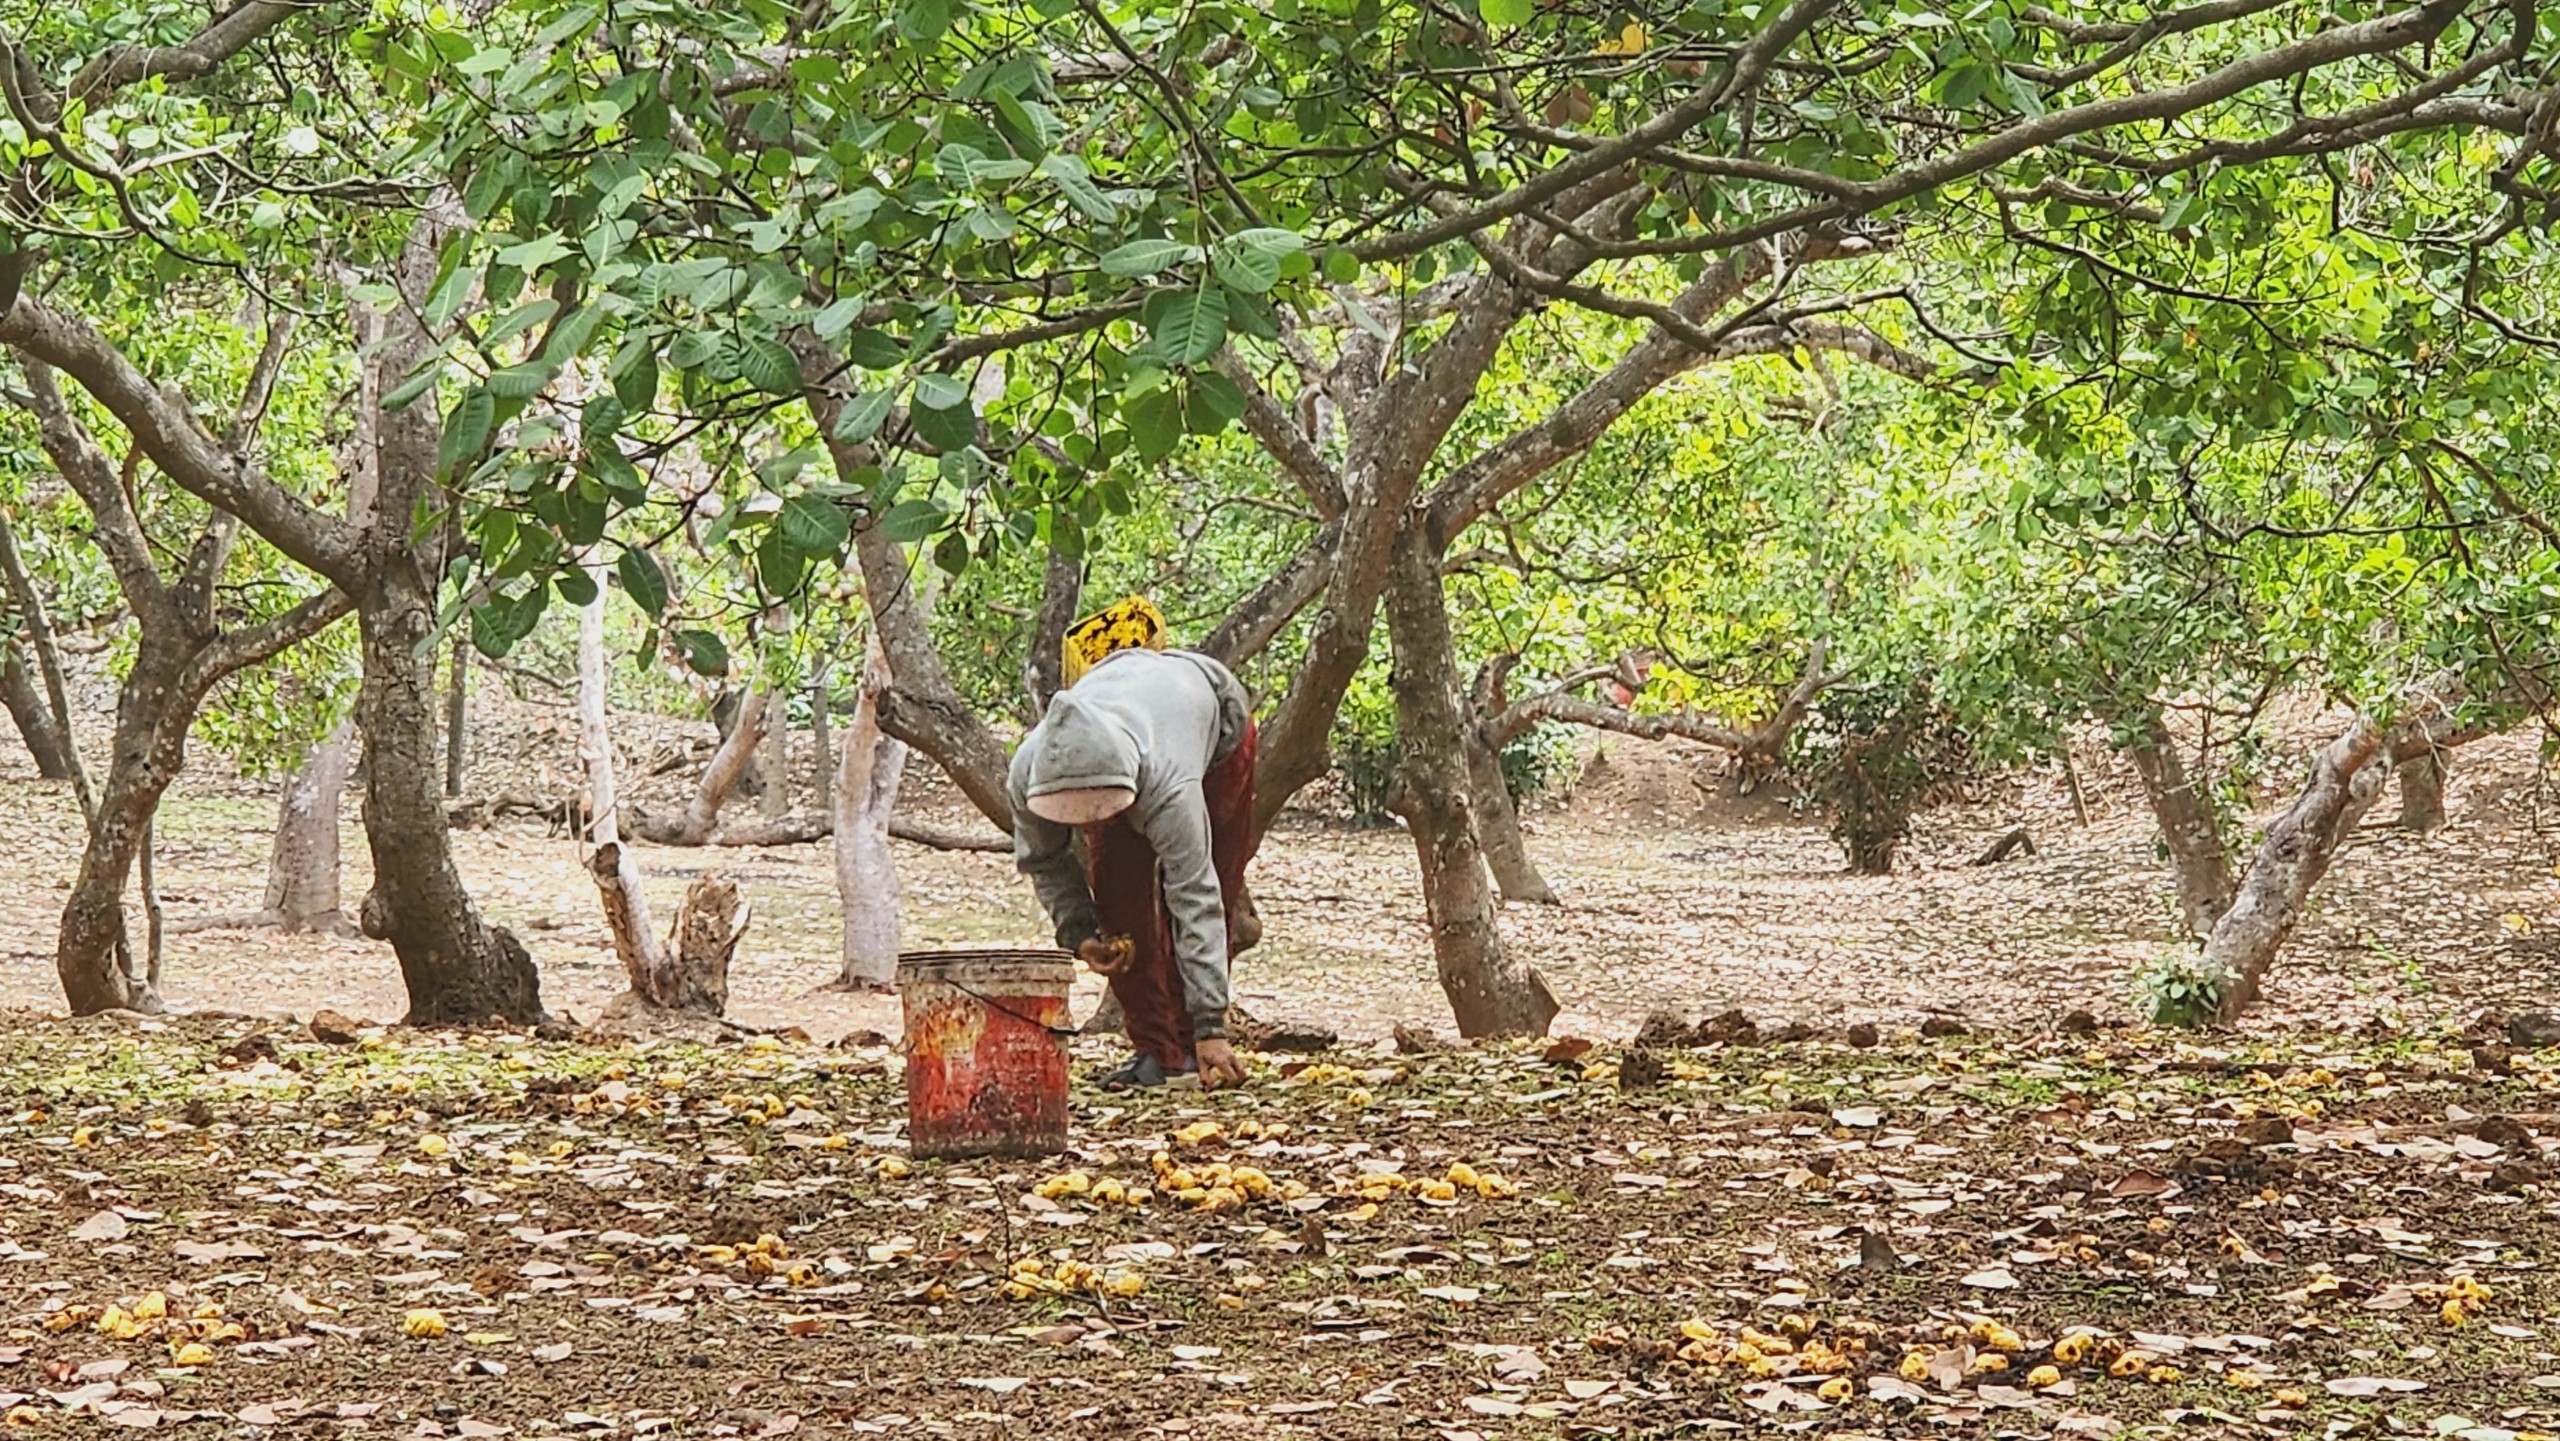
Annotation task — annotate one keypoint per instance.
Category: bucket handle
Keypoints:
(1064, 1033)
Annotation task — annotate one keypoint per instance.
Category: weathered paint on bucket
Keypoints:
(986, 1045)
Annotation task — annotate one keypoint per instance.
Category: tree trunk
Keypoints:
(2347, 777)
(152, 717)
(2422, 793)
(774, 761)
(155, 921)
(2190, 827)
(457, 719)
(822, 752)
(691, 985)
(694, 825)
(35, 723)
(459, 969)
(1506, 848)
(866, 792)
(626, 907)
(1491, 991)
(302, 865)
(1061, 593)
(31, 610)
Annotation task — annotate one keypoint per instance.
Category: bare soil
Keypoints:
(208, 1229)
(1677, 895)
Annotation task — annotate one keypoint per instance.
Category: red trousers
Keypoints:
(1128, 900)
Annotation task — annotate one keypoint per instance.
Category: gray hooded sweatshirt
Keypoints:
(1154, 722)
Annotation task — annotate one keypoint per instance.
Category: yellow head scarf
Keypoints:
(1123, 625)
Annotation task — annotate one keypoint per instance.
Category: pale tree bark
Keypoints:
(457, 716)
(1506, 846)
(773, 756)
(866, 792)
(694, 825)
(617, 875)
(302, 858)
(35, 723)
(2347, 777)
(2422, 792)
(2190, 827)
(1491, 990)
(302, 866)
(773, 763)
(685, 979)
(822, 749)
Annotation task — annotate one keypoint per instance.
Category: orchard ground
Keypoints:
(1675, 895)
(2342, 1222)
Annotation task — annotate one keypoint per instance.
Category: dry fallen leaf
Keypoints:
(2363, 1386)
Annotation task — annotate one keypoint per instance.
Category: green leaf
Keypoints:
(780, 563)
(925, 21)
(1503, 14)
(635, 375)
(521, 319)
(521, 382)
(642, 580)
(1141, 258)
(535, 253)
(466, 429)
(769, 366)
(576, 587)
(1188, 325)
(1341, 266)
(952, 553)
(910, 520)
(570, 336)
(1252, 260)
(945, 430)
(814, 524)
(1068, 174)
(840, 313)
(1155, 423)
(941, 390)
(874, 350)
(417, 385)
(862, 416)
(704, 652)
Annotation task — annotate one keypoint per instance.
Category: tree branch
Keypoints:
(161, 422)
(1280, 434)
(92, 476)
(1764, 741)
(237, 650)
(226, 36)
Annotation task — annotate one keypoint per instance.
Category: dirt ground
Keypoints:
(1675, 895)
(215, 1231)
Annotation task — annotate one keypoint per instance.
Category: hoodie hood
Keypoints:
(1079, 747)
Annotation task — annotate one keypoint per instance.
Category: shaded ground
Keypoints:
(213, 1232)
(1675, 896)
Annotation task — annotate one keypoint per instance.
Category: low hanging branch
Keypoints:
(1763, 741)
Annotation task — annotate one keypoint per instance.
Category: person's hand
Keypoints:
(1219, 1065)
(1108, 955)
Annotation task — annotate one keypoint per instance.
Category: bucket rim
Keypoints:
(1032, 955)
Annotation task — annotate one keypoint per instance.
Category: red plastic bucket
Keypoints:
(986, 1046)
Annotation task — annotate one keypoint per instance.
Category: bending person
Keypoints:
(1149, 752)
